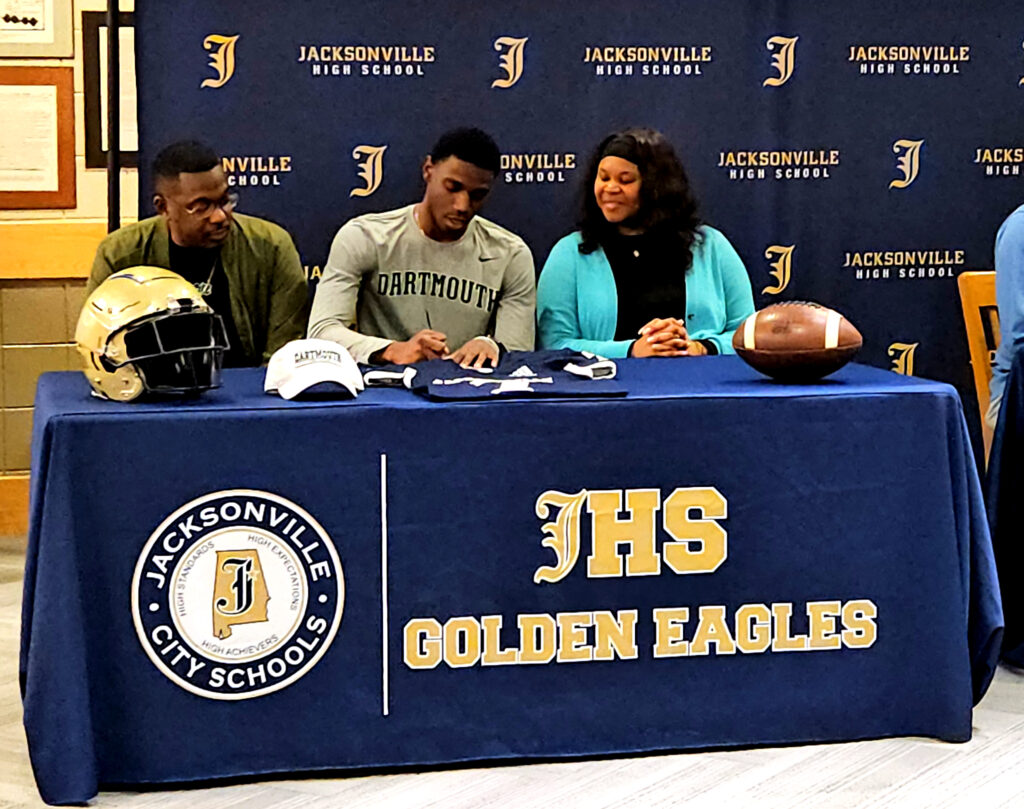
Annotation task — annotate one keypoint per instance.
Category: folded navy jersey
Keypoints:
(561, 372)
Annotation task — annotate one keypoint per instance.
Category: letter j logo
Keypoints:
(908, 161)
(222, 58)
(783, 59)
(511, 61)
(372, 169)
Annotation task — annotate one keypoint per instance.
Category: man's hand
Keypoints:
(423, 345)
(475, 353)
(664, 337)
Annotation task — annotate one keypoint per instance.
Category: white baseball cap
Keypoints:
(302, 364)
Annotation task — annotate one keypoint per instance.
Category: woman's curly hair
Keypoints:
(667, 205)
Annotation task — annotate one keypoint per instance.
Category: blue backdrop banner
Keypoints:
(857, 154)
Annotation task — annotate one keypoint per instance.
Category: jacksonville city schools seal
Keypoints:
(237, 594)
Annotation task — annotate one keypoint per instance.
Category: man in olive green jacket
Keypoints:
(246, 268)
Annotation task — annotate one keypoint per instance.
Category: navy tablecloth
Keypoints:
(855, 500)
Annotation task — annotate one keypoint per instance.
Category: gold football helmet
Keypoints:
(148, 330)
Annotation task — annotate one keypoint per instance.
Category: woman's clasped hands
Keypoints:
(666, 337)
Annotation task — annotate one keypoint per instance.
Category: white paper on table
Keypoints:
(129, 97)
(28, 138)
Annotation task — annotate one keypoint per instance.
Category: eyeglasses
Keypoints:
(205, 207)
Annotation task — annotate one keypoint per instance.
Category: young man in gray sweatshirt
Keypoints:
(431, 279)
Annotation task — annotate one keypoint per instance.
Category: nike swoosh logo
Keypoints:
(487, 258)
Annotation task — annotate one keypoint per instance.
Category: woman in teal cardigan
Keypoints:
(643, 277)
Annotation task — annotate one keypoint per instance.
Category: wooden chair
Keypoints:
(978, 297)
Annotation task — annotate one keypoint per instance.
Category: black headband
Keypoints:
(624, 146)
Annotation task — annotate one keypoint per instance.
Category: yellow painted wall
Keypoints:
(45, 257)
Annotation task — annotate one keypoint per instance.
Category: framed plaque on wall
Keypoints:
(36, 28)
(37, 137)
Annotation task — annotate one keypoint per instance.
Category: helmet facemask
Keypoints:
(174, 353)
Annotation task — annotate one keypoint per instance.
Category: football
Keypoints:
(796, 341)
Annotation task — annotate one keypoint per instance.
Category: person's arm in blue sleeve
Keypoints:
(558, 322)
(1010, 284)
(1009, 259)
(738, 298)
